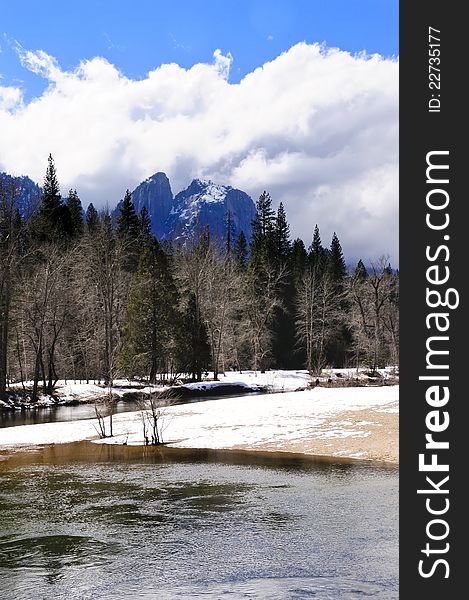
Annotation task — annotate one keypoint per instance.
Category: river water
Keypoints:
(53, 414)
(81, 521)
(76, 412)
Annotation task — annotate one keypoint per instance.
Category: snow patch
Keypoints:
(228, 423)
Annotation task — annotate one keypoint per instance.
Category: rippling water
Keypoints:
(105, 528)
(54, 414)
(57, 414)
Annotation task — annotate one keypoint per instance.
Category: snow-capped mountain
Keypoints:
(203, 204)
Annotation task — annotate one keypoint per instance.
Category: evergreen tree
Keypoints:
(127, 232)
(336, 262)
(283, 324)
(149, 337)
(270, 284)
(360, 271)
(51, 198)
(299, 258)
(92, 218)
(194, 347)
(127, 221)
(53, 221)
(316, 248)
(144, 222)
(282, 236)
(111, 303)
(336, 271)
(388, 269)
(317, 253)
(263, 230)
(75, 208)
(240, 250)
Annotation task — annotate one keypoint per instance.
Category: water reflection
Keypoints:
(14, 418)
(76, 412)
(56, 550)
(87, 521)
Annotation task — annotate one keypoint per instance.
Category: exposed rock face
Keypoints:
(202, 205)
(26, 193)
(205, 204)
(155, 193)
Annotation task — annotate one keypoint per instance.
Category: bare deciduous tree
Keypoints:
(374, 312)
(153, 411)
(8, 262)
(44, 310)
(319, 316)
(260, 298)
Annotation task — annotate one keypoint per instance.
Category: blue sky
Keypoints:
(297, 97)
(137, 36)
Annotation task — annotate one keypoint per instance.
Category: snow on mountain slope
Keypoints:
(203, 204)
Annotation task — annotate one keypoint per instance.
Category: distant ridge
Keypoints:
(203, 204)
(27, 192)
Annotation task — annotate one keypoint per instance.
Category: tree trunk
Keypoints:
(37, 366)
(4, 314)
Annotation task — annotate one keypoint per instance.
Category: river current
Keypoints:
(82, 521)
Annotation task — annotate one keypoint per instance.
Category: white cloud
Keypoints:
(316, 127)
(222, 63)
(10, 98)
(40, 63)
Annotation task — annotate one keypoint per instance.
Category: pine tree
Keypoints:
(336, 263)
(127, 231)
(388, 269)
(53, 221)
(283, 324)
(240, 250)
(317, 253)
(282, 236)
(316, 245)
(263, 230)
(299, 258)
(51, 198)
(144, 222)
(360, 271)
(336, 271)
(75, 208)
(92, 218)
(127, 221)
(194, 347)
(149, 338)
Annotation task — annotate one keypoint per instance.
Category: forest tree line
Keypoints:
(86, 296)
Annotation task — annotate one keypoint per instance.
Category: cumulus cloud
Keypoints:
(316, 127)
(39, 63)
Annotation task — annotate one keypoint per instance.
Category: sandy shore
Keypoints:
(359, 423)
(372, 436)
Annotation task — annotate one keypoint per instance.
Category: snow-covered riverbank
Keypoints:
(231, 382)
(358, 422)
